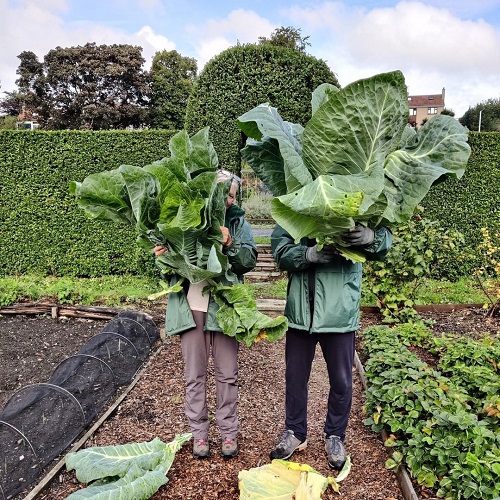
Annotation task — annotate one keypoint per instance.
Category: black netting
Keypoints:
(117, 351)
(36, 412)
(91, 380)
(19, 466)
(40, 421)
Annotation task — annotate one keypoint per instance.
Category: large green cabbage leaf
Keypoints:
(126, 472)
(355, 161)
(237, 316)
(284, 480)
(178, 203)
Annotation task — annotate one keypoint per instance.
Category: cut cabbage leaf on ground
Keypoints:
(127, 472)
(284, 480)
(355, 161)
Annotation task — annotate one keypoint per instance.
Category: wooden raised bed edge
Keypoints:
(402, 474)
(264, 305)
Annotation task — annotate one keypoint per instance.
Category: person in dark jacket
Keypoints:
(322, 306)
(191, 314)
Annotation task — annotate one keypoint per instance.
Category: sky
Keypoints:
(450, 44)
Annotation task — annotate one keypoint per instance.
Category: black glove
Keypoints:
(359, 236)
(326, 254)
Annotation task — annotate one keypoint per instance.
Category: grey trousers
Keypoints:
(196, 346)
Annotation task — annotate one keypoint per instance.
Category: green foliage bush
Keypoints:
(419, 247)
(245, 76)
(43, 232)
(438, 420)
(42, 229)
(258, 206)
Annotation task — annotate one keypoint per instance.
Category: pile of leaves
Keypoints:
(356, 159)
(177, 202)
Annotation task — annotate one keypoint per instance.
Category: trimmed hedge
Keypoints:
(472, 202)
(43, 231)
(242, 77)
(42, 228)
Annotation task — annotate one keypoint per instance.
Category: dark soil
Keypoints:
(31, 347)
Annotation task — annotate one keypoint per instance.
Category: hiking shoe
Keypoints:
(229, 448)
(335, 452)
(287, 445)
(200, 448)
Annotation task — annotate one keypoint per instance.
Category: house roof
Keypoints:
(420, 101)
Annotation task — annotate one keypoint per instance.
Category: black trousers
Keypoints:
(338, 351)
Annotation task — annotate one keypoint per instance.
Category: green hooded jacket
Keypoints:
(242, 255)
(324, 297)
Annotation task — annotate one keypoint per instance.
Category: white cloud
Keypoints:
(433, 47)
(38, 27)
(430, 45)
(216, 35)
(419, 35)
(150, 43)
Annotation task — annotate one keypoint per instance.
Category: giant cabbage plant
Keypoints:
(355, 161)
(178, 203)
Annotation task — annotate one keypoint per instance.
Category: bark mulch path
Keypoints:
(31, 347)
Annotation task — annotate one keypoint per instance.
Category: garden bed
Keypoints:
(30, 347)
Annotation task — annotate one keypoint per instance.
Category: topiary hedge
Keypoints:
(471, 202)
(245, 76)
(42, 229)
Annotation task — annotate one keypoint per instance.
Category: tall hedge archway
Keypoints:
(245, 76)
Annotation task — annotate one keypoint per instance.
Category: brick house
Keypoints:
(26, 120)
(424, 106)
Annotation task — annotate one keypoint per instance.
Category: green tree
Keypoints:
(488, 110)
(172, 77)
(89, 87)
(8, 122)
(243, 77)
(12, 104)
(286, 37)
(448, 112)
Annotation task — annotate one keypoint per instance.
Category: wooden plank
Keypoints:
(266, 265)
(263, 274)
(402, 474)
(271, 305)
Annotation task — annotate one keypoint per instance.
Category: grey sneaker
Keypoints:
(229, 448)
(201, 448)
(337, 455)
(287, 445)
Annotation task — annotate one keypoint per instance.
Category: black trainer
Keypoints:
(335, 451)
(287, 445)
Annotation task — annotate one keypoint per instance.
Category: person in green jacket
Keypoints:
(322, 306)
(191, 314)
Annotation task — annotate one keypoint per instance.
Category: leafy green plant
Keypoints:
(471, 364)
(258, 206)
(356, 159)
(178, 203)
(419, 246)
(129, 472)
(489, 249)
(445, 439)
